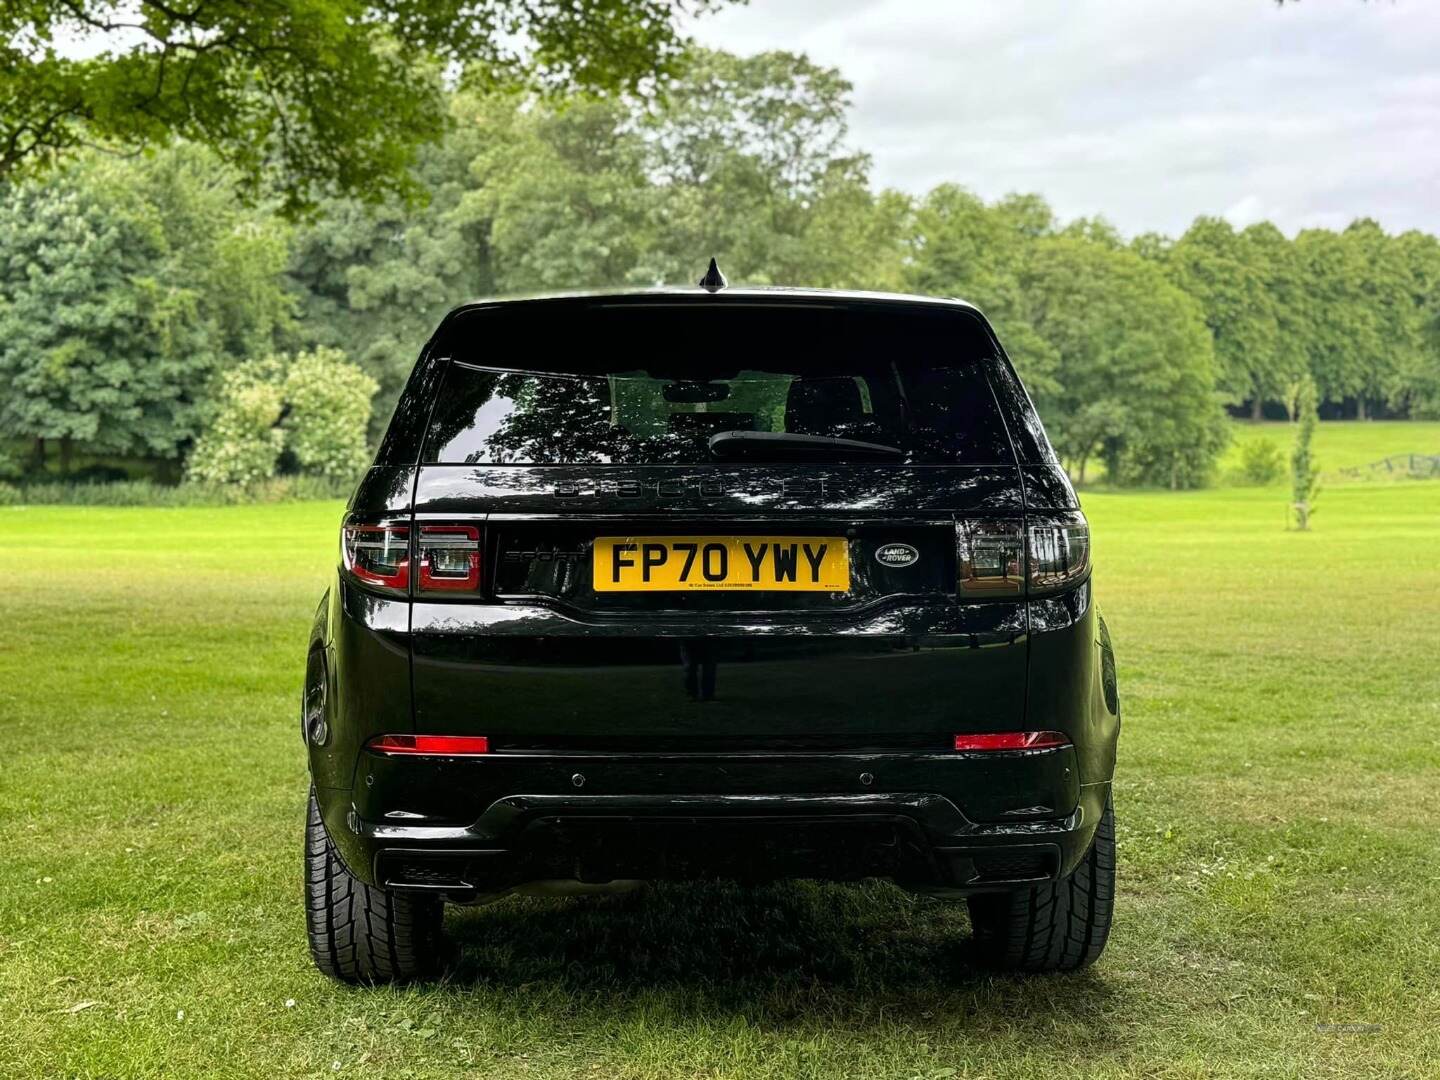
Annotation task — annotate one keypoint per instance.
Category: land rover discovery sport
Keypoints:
(710, 583)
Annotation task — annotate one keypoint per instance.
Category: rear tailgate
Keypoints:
(546, 659)
(578, 439)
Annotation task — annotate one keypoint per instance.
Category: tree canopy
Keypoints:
(129, 288)
(123, 288)
(302, 97)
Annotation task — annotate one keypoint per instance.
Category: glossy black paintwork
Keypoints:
(368, 657)
(1047, 487)
(384, 493)
(731, 708)
(735, 490)
(1066, 680)
(877, 675)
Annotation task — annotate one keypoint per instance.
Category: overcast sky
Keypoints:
(1146, 111)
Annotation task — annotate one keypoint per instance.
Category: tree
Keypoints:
(1385, 286)
(963, 248)
(1282, 273)
(99, 342)
(373, 281)
(328, 406)
(1212, 264)
(565, 198)
(1097, 230)
(244, 441)
(748, 160)
(740, 158)
(308, 95)
(1420, 380)
(233, 256)
(1346, 333)
(1304, 476)
(1135, 373)
(124, 286)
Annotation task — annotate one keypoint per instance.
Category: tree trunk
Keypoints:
(66, 446)
(1081, 479)
(40, 453)
(1257, 409)
(1360, 409)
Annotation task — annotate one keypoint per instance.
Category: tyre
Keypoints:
(359, 933)
(1059, 926)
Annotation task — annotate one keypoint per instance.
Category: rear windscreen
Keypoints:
(653, 385)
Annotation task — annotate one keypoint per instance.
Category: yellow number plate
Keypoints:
(679, 563)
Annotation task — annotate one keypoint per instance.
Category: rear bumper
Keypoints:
(752, 829)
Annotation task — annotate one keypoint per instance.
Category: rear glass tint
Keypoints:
(652, 385)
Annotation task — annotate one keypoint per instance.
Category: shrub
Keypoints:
(315, 405)
(243, 440)
(148, 493)
(1261, 462)
(329, 402)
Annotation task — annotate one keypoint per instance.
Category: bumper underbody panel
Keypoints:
(918, 839)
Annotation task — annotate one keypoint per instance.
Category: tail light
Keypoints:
(1059, 552)
(378, 555)
(1003, 560)
(991, 560)
(436, 745)
(1010, 740)
(449, 558)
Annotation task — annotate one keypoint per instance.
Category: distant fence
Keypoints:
(1412, 466)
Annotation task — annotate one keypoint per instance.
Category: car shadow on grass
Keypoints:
(774, 954)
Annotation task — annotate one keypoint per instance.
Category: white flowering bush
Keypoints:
(244, 439)
(329, 401)
(315, 405)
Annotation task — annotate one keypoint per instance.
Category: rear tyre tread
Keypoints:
(360, 933)
(1058, 926)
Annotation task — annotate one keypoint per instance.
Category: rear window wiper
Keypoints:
(786, 446)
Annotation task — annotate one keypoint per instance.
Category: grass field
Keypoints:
(1341, 444)
(1277, 801)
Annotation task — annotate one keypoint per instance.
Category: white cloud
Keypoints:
(1147, 111)
(1247, 211)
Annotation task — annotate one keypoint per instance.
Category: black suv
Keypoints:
(710, 583)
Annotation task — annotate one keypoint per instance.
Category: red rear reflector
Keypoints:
(449, 745)
(1011, 740)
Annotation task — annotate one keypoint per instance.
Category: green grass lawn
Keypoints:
(1277, 800)
(1340, 444)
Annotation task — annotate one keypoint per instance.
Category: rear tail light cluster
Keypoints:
(992, 559)
(380, 557)
(1005, 559)
(1059, 552)
(449, 558)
